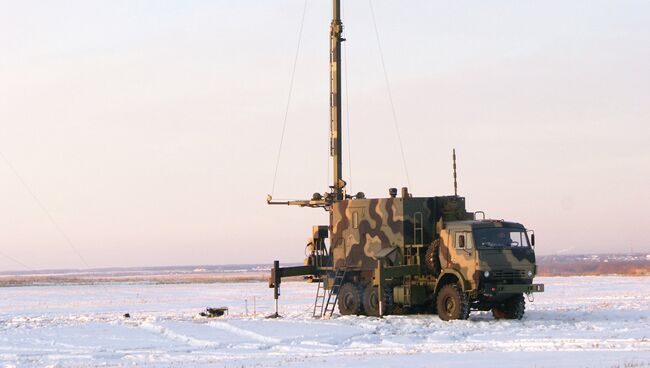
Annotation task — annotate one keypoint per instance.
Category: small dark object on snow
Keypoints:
(127, 315)
(214, 312)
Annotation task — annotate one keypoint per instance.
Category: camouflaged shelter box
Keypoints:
(360, 228)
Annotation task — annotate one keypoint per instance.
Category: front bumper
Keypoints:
(513, 288)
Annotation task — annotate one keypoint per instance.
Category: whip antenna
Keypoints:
(455, 182)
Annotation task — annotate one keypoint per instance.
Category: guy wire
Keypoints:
(15, 261)
(42, 206)
(390, 95)
(286, 110)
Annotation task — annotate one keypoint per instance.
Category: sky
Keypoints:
(144, 133)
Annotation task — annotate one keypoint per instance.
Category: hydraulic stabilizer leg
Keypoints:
(277, 273)
(380, 288)
(275, 279)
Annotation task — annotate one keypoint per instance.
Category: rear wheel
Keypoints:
(511, 308)
(452, 303)
(371, 300)
(350, 300)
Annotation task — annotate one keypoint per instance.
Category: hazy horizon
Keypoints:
(232, 267)
(149, 131)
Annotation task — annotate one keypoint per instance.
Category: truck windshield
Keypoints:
(500, 238)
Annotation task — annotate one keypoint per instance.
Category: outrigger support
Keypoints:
(277, 273)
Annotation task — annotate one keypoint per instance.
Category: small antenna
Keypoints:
(455, 182)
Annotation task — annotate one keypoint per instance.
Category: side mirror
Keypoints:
(532, 239)
(461, 241)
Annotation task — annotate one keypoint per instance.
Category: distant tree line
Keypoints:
(546, 267)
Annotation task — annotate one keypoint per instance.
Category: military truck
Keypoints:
(407, 254)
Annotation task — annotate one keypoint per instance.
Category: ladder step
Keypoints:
(325, 306)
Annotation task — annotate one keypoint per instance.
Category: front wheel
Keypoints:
(452, 303)
(511, 308)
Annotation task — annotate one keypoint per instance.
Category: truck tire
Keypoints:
(452, 303)
(371, 301)
(350, 300)
(511, 308)
(432, 257)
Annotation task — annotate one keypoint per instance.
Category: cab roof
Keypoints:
(487, 223)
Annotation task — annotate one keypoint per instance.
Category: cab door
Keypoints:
(462, 254)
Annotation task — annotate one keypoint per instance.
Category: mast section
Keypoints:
(337, 189)
(336, 152)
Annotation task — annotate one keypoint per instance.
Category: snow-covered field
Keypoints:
(578, 322)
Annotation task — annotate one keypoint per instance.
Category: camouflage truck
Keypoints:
(407, 254)
(419, 254)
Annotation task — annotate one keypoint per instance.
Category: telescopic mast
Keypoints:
(337, 189)
(336, 31)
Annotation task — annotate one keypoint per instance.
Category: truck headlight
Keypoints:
(530, 273)
(486, 274)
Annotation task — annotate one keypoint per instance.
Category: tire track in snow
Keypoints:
(292, 345)
(245, 333)
(263, 342)
(171, 335)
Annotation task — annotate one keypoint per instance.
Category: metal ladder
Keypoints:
(320, 298)
(328, 305)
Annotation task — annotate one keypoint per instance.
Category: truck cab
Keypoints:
(494, 261)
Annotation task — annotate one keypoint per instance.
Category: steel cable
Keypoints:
(42, 206)
(286, 110)
(390, 95)
(15, 261)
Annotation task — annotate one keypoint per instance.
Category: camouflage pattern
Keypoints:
(362, 227)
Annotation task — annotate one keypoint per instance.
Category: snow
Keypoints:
(577, 322)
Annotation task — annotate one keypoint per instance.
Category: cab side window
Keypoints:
(463, 240)
(460, 241)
